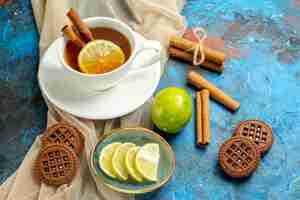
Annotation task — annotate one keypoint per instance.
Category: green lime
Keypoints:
(172, 109)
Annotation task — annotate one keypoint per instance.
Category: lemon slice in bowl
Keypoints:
(130, 164)
(105, 159)
(100, 56)
(118, 160)
(147, 161)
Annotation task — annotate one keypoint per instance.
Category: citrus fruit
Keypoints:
(147, 161)
(100, 56)
(105, 159)
(130, 164)
(172, 109)
(118, 160)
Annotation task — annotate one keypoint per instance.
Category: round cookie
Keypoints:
(62, 133)
(257, 131)
(56, 165)
(238, 157)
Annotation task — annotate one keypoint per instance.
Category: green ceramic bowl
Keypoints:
(139, 136)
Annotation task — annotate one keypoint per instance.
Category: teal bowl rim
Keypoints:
(140, 191)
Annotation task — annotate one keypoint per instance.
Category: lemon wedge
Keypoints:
(105, 159)
(100, 56)
(118, 160)
(147, 161)
(130, 164)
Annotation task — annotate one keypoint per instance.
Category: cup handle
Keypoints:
(148, 45)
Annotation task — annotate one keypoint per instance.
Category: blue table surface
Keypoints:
(263, 36)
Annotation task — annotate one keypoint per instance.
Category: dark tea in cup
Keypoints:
(71, 52)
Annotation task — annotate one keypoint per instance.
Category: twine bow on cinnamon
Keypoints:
(196, 53)
(198, 49)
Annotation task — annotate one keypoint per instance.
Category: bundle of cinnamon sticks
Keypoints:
(183, 49)
(79, 33)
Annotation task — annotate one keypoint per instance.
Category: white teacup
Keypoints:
(99, 82)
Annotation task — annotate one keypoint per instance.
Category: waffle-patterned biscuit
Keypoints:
(62, 133)
(238, 157)
(56, 164)
(257, 131)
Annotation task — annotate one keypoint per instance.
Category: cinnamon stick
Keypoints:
(185, 56)
(81, 27)
(186, 45)
(199, 135)
(205, 116)
(198, 81)
(71, 35)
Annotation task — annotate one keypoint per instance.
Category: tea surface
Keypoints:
(72, 51)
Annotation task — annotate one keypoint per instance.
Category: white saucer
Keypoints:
(132, 92)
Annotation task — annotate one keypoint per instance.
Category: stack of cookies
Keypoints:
(240, 155)
(58, 160)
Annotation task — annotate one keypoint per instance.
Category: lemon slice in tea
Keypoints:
(130, 164)
(105, 159)
(118, 160)
(147, 161)
(100, 56)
